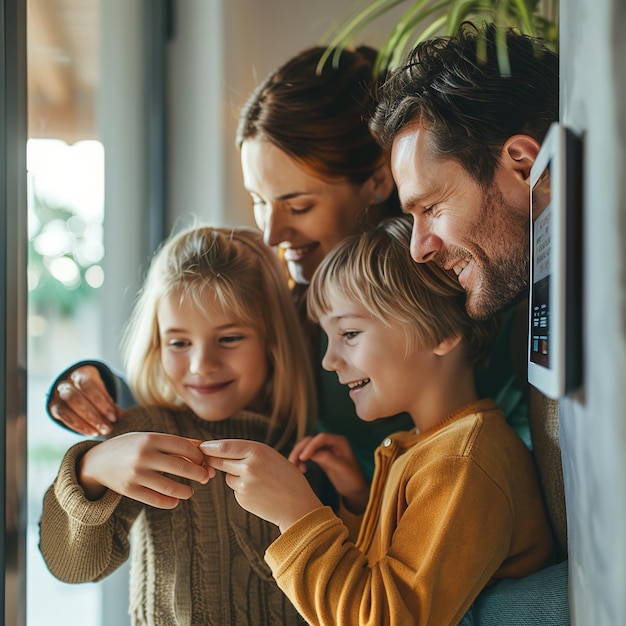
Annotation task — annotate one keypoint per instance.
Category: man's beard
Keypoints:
(504, 277)
(503, 284)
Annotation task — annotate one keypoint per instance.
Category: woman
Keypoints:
(315, 175)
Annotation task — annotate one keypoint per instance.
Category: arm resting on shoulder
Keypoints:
(83, 398)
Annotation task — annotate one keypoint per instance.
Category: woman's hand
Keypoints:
(333, 453)
(265, 483)
(137, 465)
(82, 403)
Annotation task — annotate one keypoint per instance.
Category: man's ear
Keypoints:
(447, 345)
(519, 153)
(381, 183)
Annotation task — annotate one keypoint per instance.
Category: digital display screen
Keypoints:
(540, 340)
(555, 298)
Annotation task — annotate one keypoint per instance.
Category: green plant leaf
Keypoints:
(392, 52)
(502, 52)
(435, 26)
(410, 36)
(459, 12)
(525, 10)
(348, 33)
(405, 24)
(424, 19)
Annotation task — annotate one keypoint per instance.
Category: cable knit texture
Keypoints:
(199, 564)
(451, 510)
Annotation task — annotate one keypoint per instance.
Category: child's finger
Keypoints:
(239, 456)
(154, 498)
(234, 449)
(228, 466)
(295, 454)
(211, 471)
(182, 447)
(320, 442)
(183, 467)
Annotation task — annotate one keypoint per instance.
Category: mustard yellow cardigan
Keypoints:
(451, 510)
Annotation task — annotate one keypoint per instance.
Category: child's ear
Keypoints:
(381, 183)
(447, 345)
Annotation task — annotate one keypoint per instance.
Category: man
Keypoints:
(463, 136)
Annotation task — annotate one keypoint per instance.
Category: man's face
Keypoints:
(482, 234)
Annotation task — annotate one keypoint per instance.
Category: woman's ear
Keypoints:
(519, 153)
(381, 183)
(447, 345)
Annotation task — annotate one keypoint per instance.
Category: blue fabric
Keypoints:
(540, 599)
(499, 380)
(468, 618)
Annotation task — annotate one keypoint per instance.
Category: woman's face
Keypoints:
(303, 216)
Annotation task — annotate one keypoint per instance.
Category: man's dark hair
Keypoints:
(470, 107)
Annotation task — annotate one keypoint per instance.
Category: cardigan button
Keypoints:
(387, 442)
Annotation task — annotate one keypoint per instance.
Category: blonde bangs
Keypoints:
(248, 281)
(422, 300)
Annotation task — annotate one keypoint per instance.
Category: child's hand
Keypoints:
(265, 483)
(136, 464)
(333, 453)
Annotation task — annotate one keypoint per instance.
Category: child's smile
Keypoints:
(216, 365)
(371, 358)
(359, 384)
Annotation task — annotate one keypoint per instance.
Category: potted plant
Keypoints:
(423, 19)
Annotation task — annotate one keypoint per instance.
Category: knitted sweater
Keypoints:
(451, 510)
(198, 564)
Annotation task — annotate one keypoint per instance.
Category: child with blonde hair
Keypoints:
(213, 349)
(455, 503)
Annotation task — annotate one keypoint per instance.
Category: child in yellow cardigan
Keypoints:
(455, 503)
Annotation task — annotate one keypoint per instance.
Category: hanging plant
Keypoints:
(424, 19)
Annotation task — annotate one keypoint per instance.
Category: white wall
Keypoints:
(255, 36)
(121, 109)
(593, 424)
